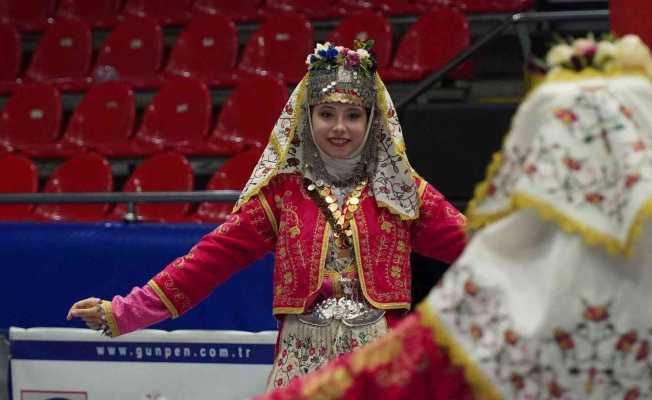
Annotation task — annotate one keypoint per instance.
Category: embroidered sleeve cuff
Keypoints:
(164, 298)
(112, 326)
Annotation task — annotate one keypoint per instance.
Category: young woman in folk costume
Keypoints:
(334, 196)
(551, 297)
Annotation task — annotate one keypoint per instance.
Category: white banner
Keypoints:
(80, 364)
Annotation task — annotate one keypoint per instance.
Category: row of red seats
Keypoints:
(163, 172)
(179, 119)
(208, 50)
(36, 14)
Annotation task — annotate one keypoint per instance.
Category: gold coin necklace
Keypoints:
(339, 219)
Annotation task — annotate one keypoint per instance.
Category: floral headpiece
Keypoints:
(608, 54)
(342, 75)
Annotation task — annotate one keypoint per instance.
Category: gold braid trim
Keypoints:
(297, 113)
(164, 298)
(268, 212)
(480, 384)
(110, 318)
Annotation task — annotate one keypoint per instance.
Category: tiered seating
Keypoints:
(96, 13)
(29, 15)
(248, 116)
(163, 172)
(239, 11)
(17, 175)
(30, 120)
(232, 175)
(103, 122)
(366, 25)
(63, 56)
(207, 50)
(10, 61)
(429, 44)
(313, 9)
(279, 48)
(132, 53)
(175, 12)
(83, 173)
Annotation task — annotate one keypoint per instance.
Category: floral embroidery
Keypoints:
(604, 359)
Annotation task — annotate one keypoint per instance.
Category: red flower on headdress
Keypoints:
(632, 180)
(530, 169)
(476, 331)
(572, 164)
(643, 351)
(599, 313)
(564, 339)
(594, 198)
(518, 383)
(632, 394)
(638, 146)
(511, 337)
(555, 390)
(565, 115)
(626, 341)
(470, 288)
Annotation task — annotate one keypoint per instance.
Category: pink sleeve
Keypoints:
(139, 309)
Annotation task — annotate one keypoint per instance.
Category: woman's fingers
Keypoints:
(82, 305)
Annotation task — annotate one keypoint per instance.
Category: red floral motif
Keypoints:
(470, 288)
(279, 382)
(354, 343)
(632, 394)
(390, 113)
(299, 344)
(626, 341)
(597, 313)
(643, 351)
(530, 169)
(296, 141)
(322, 351)
(289, 368)
(491, 189)
(555, 390)
(311, 351)
(511, 337)
(293, 162)
(564, 339)
(626, 112)
(632, 180)
(288, 108)
(518, 383)
(565, 115)
(638, 146)
(476, 331)
(594, 198)
(572, 164)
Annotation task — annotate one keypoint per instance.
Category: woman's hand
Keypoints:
(90, 311)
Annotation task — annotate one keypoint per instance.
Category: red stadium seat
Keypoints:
(30, 15)
(313, 9)
(484, 6)
(165, 12)
(431, 42)
(236, 129)
(132, 53)
(17, 175)
(631, 16)
(232, 175)
(10, 61)
(366, 25)
(82, 173)
(279, 47)
(63, 56)
(207, 50)
(387, 7)
(103, 122)
(162, 172)
(31, 118)
(239, 11)
(178, 118)
(96, 13)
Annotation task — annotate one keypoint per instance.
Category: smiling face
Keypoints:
(338, 128)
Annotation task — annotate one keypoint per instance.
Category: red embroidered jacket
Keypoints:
(283, 218)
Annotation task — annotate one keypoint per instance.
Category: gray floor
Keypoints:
(4, 365)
